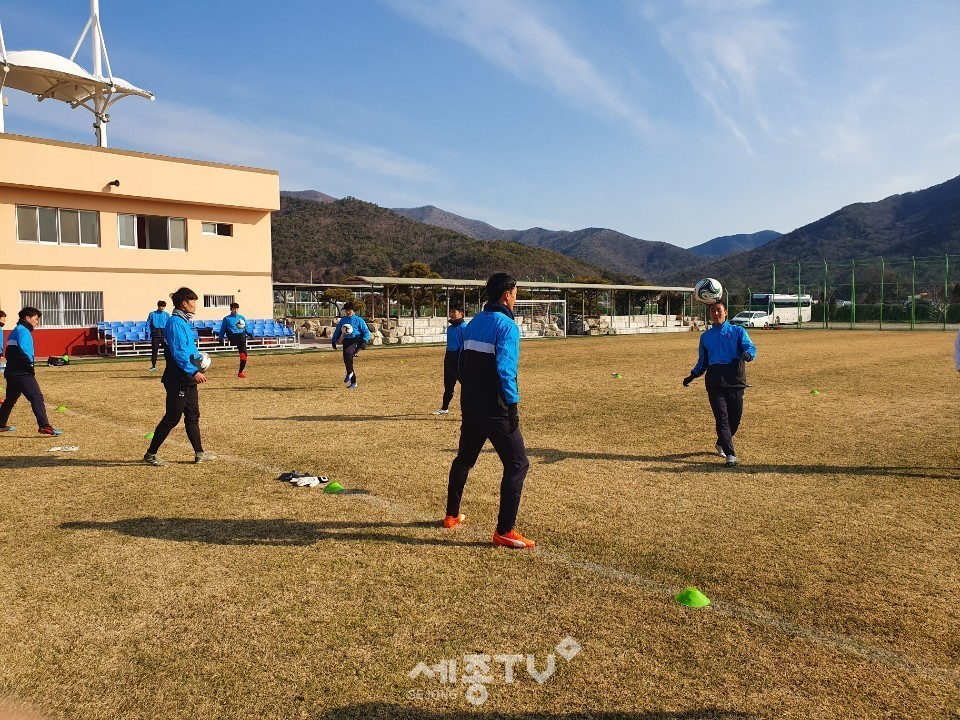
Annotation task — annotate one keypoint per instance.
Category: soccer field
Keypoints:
(213, 591)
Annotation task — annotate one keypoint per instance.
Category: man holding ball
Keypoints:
(352, 332)
(181, 378)
(724, 348)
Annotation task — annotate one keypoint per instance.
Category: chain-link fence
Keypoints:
(911, 293)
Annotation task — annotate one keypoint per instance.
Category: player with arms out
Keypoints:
(20, 373)
(724, 348)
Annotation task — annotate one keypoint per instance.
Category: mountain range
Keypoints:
(921, 223)
(316, 238)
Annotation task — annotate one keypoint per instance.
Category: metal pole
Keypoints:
(913, 295)
(946, 282)
(799, 313)
(826, 305)
(853, 294)
(881, 293)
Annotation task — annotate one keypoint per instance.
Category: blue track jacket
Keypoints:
(157, 320)
(455, 335)
(19, 351)
(361, 333)
(232, 325)
(181, 350)
(721, 356)
(488, 363)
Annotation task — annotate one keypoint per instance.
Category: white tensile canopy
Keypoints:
(53, 77)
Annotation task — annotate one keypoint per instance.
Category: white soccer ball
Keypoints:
(708, 291)
(241, 324)
(347, 329)
(205, 361)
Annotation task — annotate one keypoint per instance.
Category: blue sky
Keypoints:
(672, 120)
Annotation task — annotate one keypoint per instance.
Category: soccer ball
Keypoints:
(241, 324)
(205, 361)
(708, 291)
(347, 329)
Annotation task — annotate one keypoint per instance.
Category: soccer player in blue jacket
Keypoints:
(20, 374)
(451, 359)
(181, 378)
(233, 328)
(488, 403)
(157, 321)
(352, 342)
(724, 348)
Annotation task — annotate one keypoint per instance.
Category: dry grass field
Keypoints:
(213, 591)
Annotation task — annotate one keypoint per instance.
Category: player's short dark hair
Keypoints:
(348, 305)
(498, 284)
(161, 303)
(29, 312)
(2, 313)
(181, 296)
(234, 305)
(456, 307)
(720, 302)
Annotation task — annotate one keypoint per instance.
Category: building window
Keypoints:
(152, 232)
(212, 228)
(65, 309)
(57, 226)
(213, 301)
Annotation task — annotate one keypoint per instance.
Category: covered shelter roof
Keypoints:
(525, 284)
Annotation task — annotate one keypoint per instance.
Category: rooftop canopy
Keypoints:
(525, 284)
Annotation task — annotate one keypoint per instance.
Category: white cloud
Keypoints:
(510, 34)
(305, 157)
(733, 53)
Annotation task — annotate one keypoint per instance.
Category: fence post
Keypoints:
(881, 293)
(913, 295)
(823, 299)
(799, 313)
(853, 294)
(946, 284)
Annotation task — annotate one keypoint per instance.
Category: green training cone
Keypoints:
(61, 408)
(691, 597)
(333, 487)
(149, 436)
(814, 392)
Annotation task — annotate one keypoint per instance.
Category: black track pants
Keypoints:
(182, 401)
(27, 386)
(156, 344)
(474, 433)
(350, 351)
(727, 406)
(451, 373)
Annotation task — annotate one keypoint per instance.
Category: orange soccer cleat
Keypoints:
(451, 522)
(512, 539)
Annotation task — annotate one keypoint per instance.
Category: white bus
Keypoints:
(784, 309)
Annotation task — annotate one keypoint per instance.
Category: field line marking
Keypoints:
(842, 643)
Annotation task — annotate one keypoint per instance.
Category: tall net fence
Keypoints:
(905, 293)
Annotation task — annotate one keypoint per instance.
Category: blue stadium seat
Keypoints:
(258, 332)
(128, 323)
(288, 331)
(210, 323)
(141, 336)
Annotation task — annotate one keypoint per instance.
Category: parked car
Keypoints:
(751, 318)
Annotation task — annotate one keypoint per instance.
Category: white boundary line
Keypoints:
(841, 643)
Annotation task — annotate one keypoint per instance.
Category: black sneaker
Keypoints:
(151, 459)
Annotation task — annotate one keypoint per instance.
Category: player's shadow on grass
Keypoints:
(251, 388)
(420, 709)
(922, 473)
(59, 460)
(354, 418)
(549, 456)
(276, 532)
